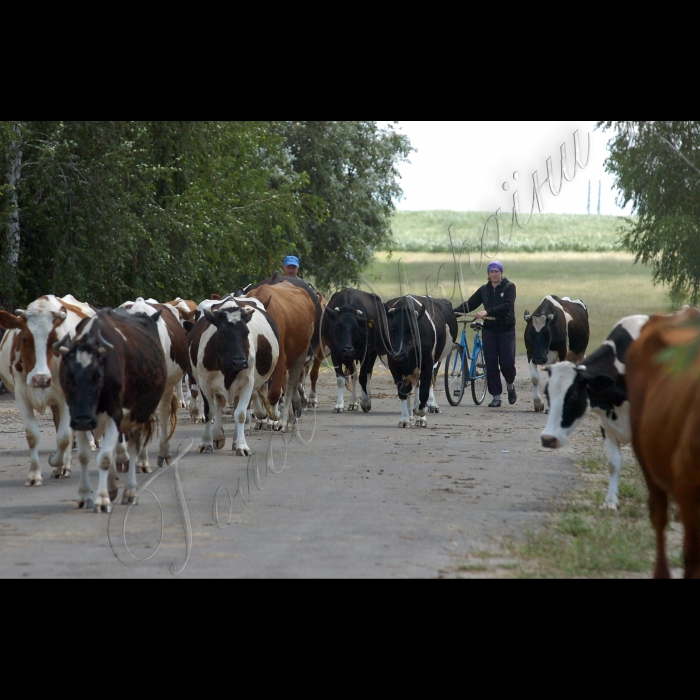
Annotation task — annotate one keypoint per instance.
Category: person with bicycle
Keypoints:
(497, 297)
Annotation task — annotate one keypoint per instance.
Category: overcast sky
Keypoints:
(462, 166)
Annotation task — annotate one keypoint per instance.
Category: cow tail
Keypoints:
(266, 405)
(174, 406)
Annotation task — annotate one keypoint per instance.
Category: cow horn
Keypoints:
(392, 311)
(337, 309)
(105, 347)
(60, 315)
(581, 368)
(62, 347)
(359, 313)
(551, 317)
(21, 314)
(528, 317)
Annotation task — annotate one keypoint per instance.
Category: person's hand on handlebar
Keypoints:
(480, 315)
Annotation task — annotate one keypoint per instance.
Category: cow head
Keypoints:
(230, 341)
(82, 375)
(538, 336)
(343, 328)
(37, 328)
(403, 325)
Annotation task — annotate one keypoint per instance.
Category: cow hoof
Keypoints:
(366, 408)
(405, 424)
(431, 409)
(609, 506)
(205, 450)
(129, 499)
(144, 469)
(354, 407)
(243, 452)
(113, 495)
(34, 481)
(539, 410)
(85, 503)
(220, 444)
(339, 409)
(122, 467)
(423, 422)
(165, 461)
(106, 509)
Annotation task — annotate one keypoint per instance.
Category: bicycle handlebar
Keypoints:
(465, 319)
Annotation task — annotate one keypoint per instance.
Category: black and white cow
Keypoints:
(113, 375)
(234, 350)
(351, 333)
(419, 333)
(558, 330)
(600, 381)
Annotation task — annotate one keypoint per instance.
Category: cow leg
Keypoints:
(168, 421)
(105, 459)
(219, 436)
(292, 402)
(354, 403)
(32, 434)
(614, 455)
(340, 378)
(206, 444)
(135, 449)
(313, 399)
(121, 455)
(535, 378)
(658, 513)
(365, 379)
(181, 395)
(61, 459)
(425, 389)
(84, 457)
(195, 404)
(240, 415)
(432, 404)
(142, 463)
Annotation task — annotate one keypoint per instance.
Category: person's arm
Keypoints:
(507, 303)
(475, 301)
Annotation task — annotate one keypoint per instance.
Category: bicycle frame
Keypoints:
(469, 359)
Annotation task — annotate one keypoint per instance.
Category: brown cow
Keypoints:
(295, 315)
(665, 418)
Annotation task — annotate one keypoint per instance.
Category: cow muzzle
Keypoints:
(83, 424)
(239, 365)
(41, 381)
(551, 443)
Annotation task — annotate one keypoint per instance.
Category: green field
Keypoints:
(610, 284)
(427, 231)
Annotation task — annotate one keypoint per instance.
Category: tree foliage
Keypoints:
(111, 210)
(657, 170)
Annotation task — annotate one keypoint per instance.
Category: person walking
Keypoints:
(497, 297)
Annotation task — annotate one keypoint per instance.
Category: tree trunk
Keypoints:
(13, 177)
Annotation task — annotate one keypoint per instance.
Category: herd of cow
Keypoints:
(109, 375)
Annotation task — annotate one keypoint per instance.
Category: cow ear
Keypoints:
(391, 312)
(62, 347)
(156, 316)
(8, 321)
(553, 317)
(528, 317)
(421, 313)
(215, 296)
(188, 326)
(247, 314)
(210, 317)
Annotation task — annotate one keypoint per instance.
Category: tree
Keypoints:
(657, 170)
(352, 167)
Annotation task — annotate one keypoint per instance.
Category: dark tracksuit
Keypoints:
(499, 335)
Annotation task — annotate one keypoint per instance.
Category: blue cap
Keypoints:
(292, 260)
(495, 266)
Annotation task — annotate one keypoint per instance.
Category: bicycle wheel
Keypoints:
(455, 375)
(479, 382)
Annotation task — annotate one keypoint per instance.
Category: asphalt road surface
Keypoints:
(357, 498)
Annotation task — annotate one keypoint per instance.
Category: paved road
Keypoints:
(362, 499)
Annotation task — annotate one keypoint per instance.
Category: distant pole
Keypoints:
(600, 189)
(588, 207)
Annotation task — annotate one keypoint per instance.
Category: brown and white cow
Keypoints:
(294, 314)
(29, 369)
(558, 330)
(114, 375)
(234, 350)
(173, 340)
(665, 419)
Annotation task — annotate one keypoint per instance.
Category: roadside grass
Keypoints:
(611, 284)
(581, 541)
(426, 231)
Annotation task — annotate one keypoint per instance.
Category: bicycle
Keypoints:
(459, 359)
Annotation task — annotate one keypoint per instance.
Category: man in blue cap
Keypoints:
(291, 266)
(498, 299)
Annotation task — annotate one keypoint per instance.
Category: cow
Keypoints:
(317, 349)
(419, 333)
(599, 381)
(294, 313)
(29, 370)
(558, 330)
(114, 375)
(234, 350)
(350, 329)
(665, 420)
(174, 342)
